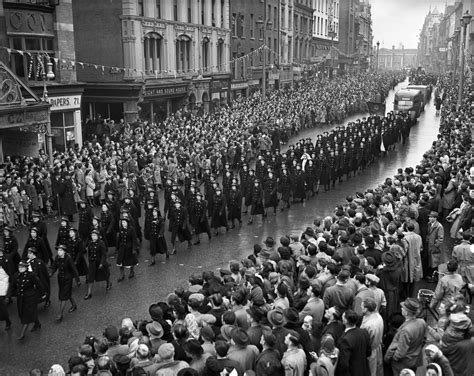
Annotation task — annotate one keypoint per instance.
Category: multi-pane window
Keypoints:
(152, 45)
(32, 65)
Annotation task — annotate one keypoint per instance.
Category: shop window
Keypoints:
(32, 65)
(63, 130)
(152, 45)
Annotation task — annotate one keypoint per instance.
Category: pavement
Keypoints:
(55, 343)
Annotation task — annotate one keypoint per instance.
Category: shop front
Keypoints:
(239, 89)
(220, 91)
(159, 101)
(66, 125)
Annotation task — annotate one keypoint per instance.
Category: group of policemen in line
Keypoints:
(278, 179)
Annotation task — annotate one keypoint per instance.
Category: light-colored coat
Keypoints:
(413, 271)
(435, 243)
(373, 323)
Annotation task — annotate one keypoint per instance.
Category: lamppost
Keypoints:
(48, 75)
(465, 21)
(455, 45)
(377, 59)
(264, 23)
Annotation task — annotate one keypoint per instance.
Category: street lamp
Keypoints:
(465, 21)
(48, 75)
(264, 23)
(377, 59)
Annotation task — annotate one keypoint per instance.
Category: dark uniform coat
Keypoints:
(85, 222)
(219, 217)
(126, 246)
(98, 266)
(28, 290)
(75, 249)
(234, 204)
(156, 236)
(66, 273)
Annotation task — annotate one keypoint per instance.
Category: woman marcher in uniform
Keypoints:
(10, 251)
(63, 232)
(219, 217)
(98, 266)
(299, 190)
(156, 235)
(85, 219)
(28, 290)
(42, 232)
(76, 249)
(310, 178)
(34, 241)
(270, 195)
(179, 225)
(126, 249)
(66, 194)
(248, 184)
(234, 205)
(38, 266)
(198, 218)
(96, 225)
(256, 201)
(284, 188)
(107, 223)
(64, 265)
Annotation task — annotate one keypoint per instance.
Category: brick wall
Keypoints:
(98, 38)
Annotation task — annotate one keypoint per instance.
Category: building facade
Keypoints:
(348, 34)
(253, 25)
(325, 34)
(38, 37)
(154, 56)
(364, 42)
(427, 48)
(397, 58)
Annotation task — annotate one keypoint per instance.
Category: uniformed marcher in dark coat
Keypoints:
(234, 205)
(64, 265)
(149, 206)
(34, 241)
(28, 291)
(219, 216)
(66, 195)
(298, 180)
(126, 249)
(168, 188)
(284, 188)
(270, 196)
(198, 218)
(96, 225)
(256, 200)
(98, 266)
(76, 249)
(157, 235)
(107, 223)
(129, 206)
(37, 266)
(85, 220)
(42, 233)
(179, 225)
(248, 187)
(10, 252)
(63, 232)
(5, 280)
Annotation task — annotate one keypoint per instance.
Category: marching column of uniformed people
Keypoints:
(199, 204)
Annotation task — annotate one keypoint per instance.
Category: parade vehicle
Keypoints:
(410, 101)
(425, 90)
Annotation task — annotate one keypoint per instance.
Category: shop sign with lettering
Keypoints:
(65, 102)
(164, 91)
(23, 118)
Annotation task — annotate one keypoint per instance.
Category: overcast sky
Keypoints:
(398, 22)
